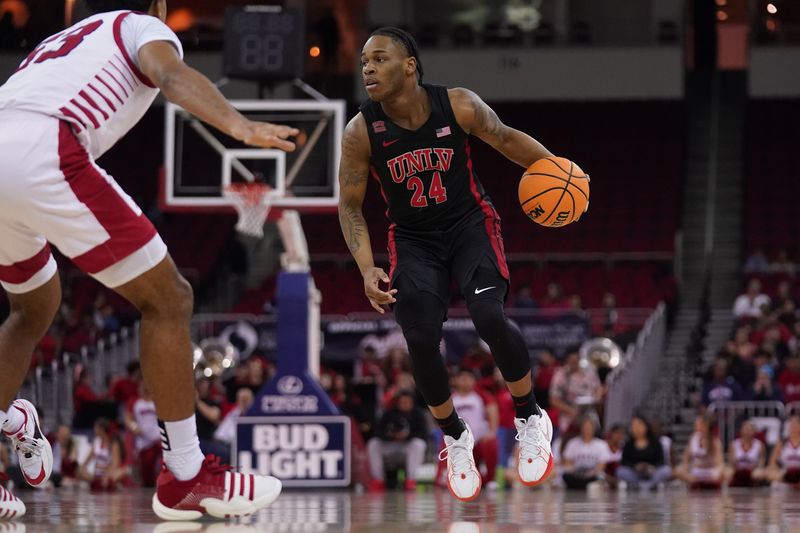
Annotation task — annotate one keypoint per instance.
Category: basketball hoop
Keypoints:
(252, 202)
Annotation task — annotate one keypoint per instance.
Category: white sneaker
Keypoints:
(10, 506)
(535, 461)
(463, 477)
(35, 453)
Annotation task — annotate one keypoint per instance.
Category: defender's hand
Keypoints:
(267, 135)
(372, 277)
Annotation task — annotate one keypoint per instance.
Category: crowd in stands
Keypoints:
(114, 440)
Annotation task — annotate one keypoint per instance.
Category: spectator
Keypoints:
(506, 413)
(88, 405)
(642, 464)
(523, 298)
(784, 296)
(741, 345)
(107, 454)
(142, 422)
(239, 379)
(575, 386)
(124, 390)
(615, 439)
(782, 264)
(65, 457)
(585, 456)
(789, 380)
(367, 366)
(226, 431)
(401, 437)
(721, 387)
(546, 366)
(763, 390)
(784, 463)
(702, 464)
(612, 325)
(746, 458)
(257, 373)
(479, 411)
(576, 304)
(209, 414)
(750, 304)
(757, 263)
(554, 299)
(404, 381)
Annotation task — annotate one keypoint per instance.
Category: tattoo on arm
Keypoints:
(486, 120)
(353, 225)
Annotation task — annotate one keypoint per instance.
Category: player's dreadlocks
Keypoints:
(103, 6)
(407, 40)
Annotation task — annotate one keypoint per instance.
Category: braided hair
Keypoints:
(405, 39)
(103, 6)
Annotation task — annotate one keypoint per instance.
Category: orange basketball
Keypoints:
(554, 192)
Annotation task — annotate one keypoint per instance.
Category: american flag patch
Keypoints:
(443, 132)
(378, 126)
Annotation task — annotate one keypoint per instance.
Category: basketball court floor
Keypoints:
(524, 511)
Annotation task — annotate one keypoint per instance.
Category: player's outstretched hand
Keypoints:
(372, 278)
(267, 135)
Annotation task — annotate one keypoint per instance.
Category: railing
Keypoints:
(630, 382)
(730, 414)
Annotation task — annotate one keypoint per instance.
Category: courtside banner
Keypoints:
(302, 451)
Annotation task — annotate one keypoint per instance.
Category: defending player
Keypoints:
(72, 99)
(413, 138)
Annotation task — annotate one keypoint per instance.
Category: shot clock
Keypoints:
(264, 43)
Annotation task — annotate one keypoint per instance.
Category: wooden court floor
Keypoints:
(528, 511)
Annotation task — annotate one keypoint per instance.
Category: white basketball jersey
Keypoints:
(746, 459)
(790, 456)
(88, 75)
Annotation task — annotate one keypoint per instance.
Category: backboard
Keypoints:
(200, 161)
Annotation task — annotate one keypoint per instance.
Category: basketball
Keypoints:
(554, 192)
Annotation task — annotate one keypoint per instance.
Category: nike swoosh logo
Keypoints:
(389, 143)
(478, 291)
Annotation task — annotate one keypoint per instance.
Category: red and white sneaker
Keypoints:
(33, 449)
(535, 461)
(216, 490)
(463, 477)
(10, 506)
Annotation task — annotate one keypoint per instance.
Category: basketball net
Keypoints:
(252, 202)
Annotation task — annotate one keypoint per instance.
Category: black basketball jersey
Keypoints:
(426, 175)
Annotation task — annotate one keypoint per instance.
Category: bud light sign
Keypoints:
(301, 451)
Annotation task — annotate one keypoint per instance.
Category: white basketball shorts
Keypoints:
(51, 190)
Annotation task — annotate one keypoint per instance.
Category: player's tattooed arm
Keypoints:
(353, 175)
(477, 118)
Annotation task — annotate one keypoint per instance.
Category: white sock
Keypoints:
(181, 447)
(13, 420)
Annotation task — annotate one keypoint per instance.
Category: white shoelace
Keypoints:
(29, 447)
(459, 454)
(530, 435)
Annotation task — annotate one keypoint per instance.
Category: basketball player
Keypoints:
(414, 140)
(73, 97)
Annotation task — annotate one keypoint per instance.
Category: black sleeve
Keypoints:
(386, 420)
(658, 458)
(629, 454)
